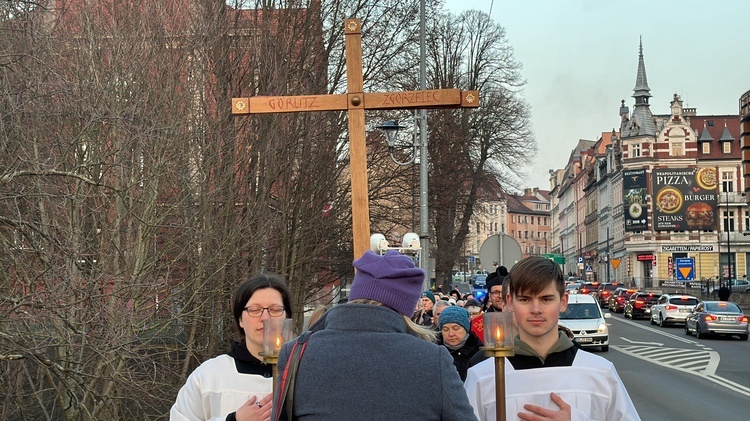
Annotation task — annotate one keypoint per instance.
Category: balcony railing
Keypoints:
(735, 237)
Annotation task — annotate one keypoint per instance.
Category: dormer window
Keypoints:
(706, 148)
(727, 147)
(635, 150)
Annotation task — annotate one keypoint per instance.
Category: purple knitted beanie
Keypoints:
(390, 279)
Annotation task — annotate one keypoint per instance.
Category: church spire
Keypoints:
(641, 92)
(641, 122)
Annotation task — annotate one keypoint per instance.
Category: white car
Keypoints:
(585, 319)
(672, 309)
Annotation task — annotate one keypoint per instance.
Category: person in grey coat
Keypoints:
(370, 361)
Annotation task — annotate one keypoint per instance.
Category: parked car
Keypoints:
(672, 308)
(585, 319)
(461, 277)
(604, 292)
(735, 285)
(639, 305)
(717, 317)
(619, 297)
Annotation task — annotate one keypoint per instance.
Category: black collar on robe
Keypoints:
(246, 363)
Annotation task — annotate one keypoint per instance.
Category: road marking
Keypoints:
(700, 363)
(640, 343)
(659, 331)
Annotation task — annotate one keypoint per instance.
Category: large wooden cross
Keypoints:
(355, 102)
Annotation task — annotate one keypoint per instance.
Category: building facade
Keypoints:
(663, 188)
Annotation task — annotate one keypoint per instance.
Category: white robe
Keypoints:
(591, 386)
(215, 389)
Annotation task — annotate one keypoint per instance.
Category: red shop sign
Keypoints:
(646, 257)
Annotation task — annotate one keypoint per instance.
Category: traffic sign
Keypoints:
(685, 268)
(580, 259)
(500, 249)
(589, 268)
(615, 262)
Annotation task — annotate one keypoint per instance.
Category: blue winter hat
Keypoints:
(391, 279)
(429, 295)
(457, 315)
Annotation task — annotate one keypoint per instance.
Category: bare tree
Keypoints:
(132, 204)
(472, 150)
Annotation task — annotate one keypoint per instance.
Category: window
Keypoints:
(746, 226)
(706, 147)
(525, 220)
(727, 181)
(545, 220)
(478, 226)
(513, 218)
(727, 146)
(728, 222)
(526, 234)
(512, 233)
(635, 150)
(676, 148)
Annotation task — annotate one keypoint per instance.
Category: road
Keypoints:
(673, 376)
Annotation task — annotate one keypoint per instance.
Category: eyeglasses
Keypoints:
(275, 311)
(496, 294)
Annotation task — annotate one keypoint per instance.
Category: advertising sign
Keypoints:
(685, 199)
(634, 200)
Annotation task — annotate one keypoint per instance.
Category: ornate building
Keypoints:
(665, 187)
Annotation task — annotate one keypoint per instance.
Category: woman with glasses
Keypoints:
(238, 386)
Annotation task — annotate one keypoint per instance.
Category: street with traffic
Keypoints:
(672, 375)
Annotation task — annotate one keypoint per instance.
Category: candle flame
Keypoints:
(499, 335)
(278, 342)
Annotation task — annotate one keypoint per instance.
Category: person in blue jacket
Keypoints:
(370, 361)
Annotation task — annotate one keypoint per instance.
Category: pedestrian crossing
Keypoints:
(699, 361)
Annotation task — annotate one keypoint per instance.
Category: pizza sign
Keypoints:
(685, 199)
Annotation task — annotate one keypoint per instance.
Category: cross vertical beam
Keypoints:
(357, 136)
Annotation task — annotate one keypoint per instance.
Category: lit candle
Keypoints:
(278, 344)
(499, 335)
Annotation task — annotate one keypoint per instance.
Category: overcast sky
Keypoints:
(580, 59)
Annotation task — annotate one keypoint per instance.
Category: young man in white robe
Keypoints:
(548, 378)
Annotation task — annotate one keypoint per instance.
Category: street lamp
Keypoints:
(730, 260)
(391, 129)
(424, 224)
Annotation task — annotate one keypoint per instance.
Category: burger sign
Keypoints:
(685, 199)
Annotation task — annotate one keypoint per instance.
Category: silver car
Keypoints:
(672, 309)
(585, 319)
(717, 317)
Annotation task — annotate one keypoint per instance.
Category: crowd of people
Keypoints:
(393, 351)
